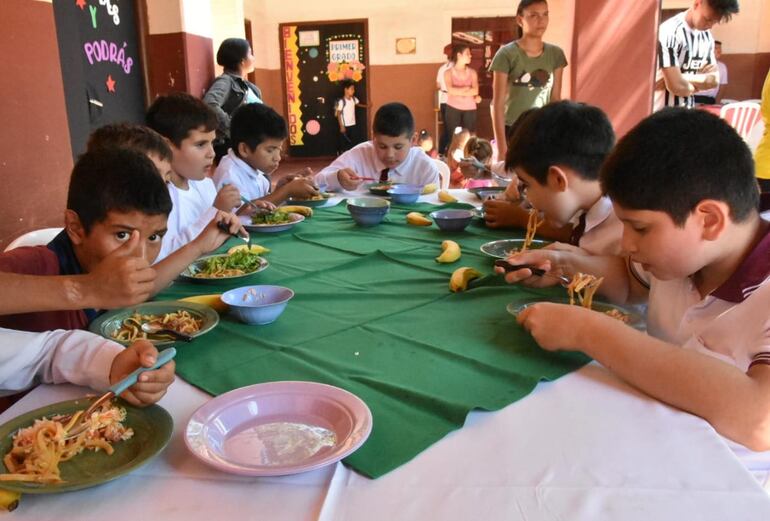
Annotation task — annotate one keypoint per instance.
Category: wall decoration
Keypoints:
(292, 84)
(309, 39)
(406, 45)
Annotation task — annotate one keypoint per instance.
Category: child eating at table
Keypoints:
(257, 133)
(388, 157)
(135, 137)
(475, 169)
(682, 182)
(189, 126)
(117, 206)
(556, 154)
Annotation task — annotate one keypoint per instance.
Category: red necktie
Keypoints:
(577, 231)
(384, 175)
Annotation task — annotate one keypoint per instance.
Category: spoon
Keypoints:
(508, 267)
(155, 329)
(80, 426)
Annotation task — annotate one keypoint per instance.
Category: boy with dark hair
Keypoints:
(117, 207)
(389, 156)
(345, 112)
(136, 137)
(257, 133)
(556, 154)
(682, 182)
(189, 126)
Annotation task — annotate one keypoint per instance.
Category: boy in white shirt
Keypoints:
(682, 183)
(189, 126)
(81, 358)
(257, 133)
(389, 156)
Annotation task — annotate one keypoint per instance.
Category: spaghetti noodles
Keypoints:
(584, 286)
(532, 224)
(181, 321)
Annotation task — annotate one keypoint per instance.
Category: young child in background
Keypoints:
(389, 156)
(80, 358)
(425, 142)
(682, 183)
(190, 126)
(257, 134)
(135, 137)
(117, 206)
(479, 152)
(345, 112)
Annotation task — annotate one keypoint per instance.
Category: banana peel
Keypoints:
(9, 500)
(446, 197)
(212, 301)
(418, 219)
(429, 188)
(255, 248)
(450, 252)
(303, 210)
(461, 277)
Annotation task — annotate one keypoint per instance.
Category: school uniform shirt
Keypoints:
(603, 230)
(232, 170)
(192, 210)
(56, 258)
(54, 357)
(688, 49)
(348, 109)
(416, 169)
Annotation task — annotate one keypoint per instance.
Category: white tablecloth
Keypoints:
(586, 447)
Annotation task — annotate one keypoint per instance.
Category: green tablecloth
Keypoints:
(373, 314)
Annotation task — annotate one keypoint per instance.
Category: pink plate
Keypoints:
(278, 428)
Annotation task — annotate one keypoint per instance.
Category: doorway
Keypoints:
(316, 58)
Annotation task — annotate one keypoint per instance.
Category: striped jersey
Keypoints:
(688, 49)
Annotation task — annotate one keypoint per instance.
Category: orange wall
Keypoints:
(746, 75)
(35, 149)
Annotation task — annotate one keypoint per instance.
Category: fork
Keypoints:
(80, 425)
(508, 267)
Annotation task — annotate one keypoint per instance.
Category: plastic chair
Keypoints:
(444, 174)
(742, 116)
(34, 238)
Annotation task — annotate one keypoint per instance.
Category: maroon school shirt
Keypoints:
(38, 260)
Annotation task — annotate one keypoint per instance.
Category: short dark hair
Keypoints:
(724, 8)
(513, 127)
(457, 48)
(566, 133)
(347, 83)
(523, 4)
(177, 114)
(252, 123)
(115, 179)
(231, 52)
(717, 42)
(393, 119)
(675, 159)
(127, 135)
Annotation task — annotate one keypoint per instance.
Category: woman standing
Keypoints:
(230, 90)
(462, 85)
(527, 71)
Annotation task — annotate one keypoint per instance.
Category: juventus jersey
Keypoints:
(683, 47)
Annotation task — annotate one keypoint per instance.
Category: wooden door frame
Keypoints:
(364, 21)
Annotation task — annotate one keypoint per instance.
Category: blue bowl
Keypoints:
(257, 305)
(368, 211)
(452, 220)
(405, 194)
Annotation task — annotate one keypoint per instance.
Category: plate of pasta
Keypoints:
(225, 267)
(121, 439)
(125, 325)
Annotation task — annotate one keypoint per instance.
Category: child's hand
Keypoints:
(301, 188)
(348, 179)
(548, 260)
(212, 236)
(227, 198)
(123, 278)
(250, 209)
(343, 130)
(512, 192)
(558, 327)
(151, 385)
(501, 214)
(469, 171)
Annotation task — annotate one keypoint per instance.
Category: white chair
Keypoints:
(742, 116)
(444, 174)
(34, 238)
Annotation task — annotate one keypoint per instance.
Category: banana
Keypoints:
(212, 301)
(429, 188)
(446, 197)
(450, 252)
(304, 210)
(418, 219)
(461, 277)
(255, 248)
(9, 500)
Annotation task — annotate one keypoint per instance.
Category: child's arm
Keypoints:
(228, 197)
(341, 174)
(298, 188)
(736, 404)
(457, 91)
(340, 120)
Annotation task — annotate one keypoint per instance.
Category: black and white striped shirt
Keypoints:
(679, 45)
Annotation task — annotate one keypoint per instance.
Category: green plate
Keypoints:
(188, 275)
(635, 320)
(152, 430)
(111, 321)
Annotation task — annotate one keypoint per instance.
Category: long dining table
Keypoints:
(575, 443)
